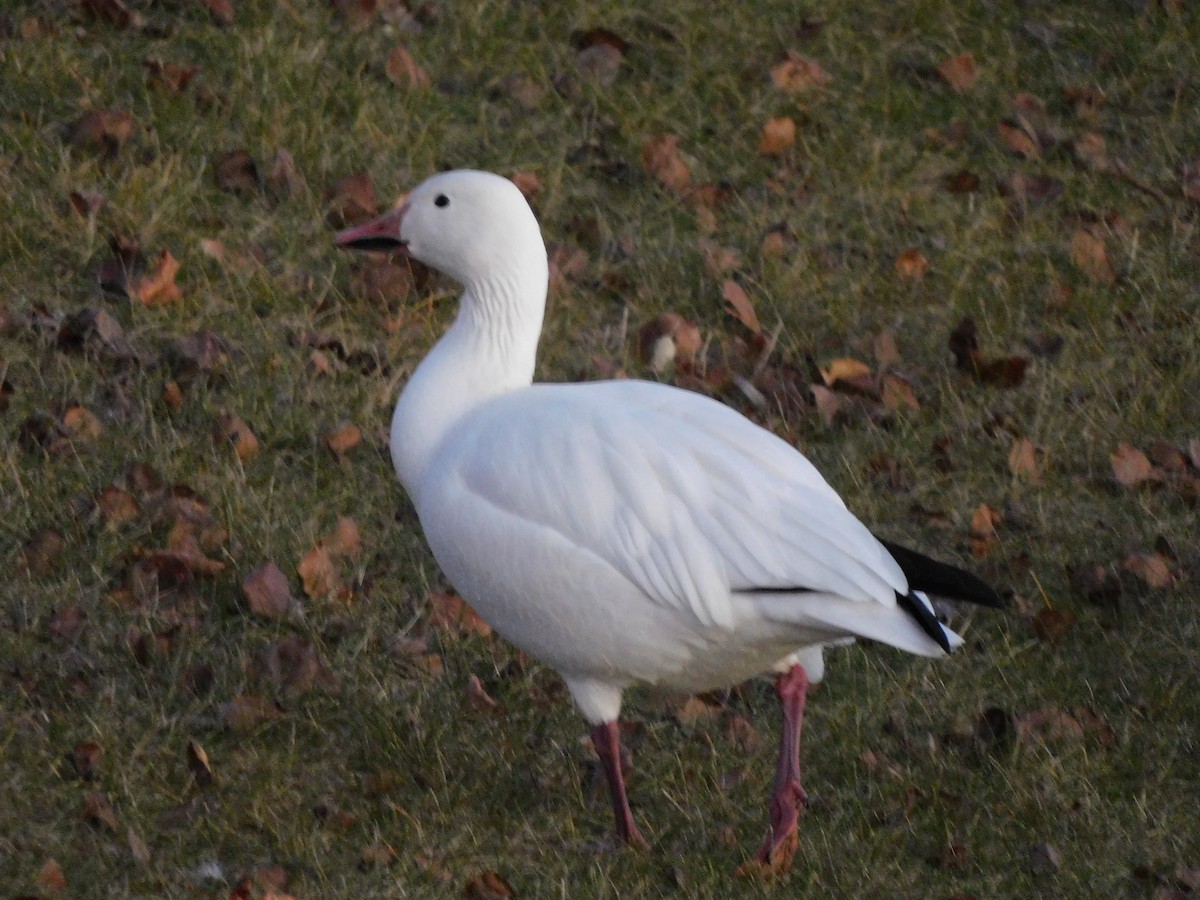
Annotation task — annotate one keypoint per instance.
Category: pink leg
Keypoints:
(607, 739)
(787, 798)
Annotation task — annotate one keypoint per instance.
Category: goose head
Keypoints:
(475, 227)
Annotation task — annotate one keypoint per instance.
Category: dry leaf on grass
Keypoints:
(797, 74)
(778, 135)
(739, 305)
(403, 70)
(1154, 569)
(982, 535)
(669, 338)
(97, 811)
(1089, 252)
(236, 172)
(1017, 140)
(662, 158)
(245, 712)
(103, 129)
(50, 877)
(911, 265)
(1130, 465)
(169, 76)
(157, 287)
(450, 614)
(268, 593)
(960, 72)
(231, 431)
(351, 200)
(198, 764)
(488, 886)
(344, 438)
(479, 699)
(1023, 460)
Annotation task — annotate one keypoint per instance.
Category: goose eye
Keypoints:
(441, 200)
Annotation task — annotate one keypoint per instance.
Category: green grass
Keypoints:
(513, 791)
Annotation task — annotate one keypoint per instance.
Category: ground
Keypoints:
(176, 720)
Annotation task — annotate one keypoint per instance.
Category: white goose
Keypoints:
(627, 531)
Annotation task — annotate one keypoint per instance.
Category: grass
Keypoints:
(457, 794)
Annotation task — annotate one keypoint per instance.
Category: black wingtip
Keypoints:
(924, 617)
(942, 580)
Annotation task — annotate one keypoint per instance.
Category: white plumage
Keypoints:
(620, 531)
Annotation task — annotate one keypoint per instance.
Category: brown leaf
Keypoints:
(680, 337)
(1090, 254)
(41, 550)
(451, 614)
(283, 177)
(897, 393)
(231, 431)
(663, 160)
(1191, 180)
(102, 129)
(169, 76)
(1130, 465)
(50, 877)
(85, 757)
(1023, 460)
(697, 710)
(479, 699)
(245, 712)
(738, 305)
(1052, 725)
(778, 135)
(236, 172)
(351, 200)
(718, 260)
(778, 241)
(318, 575)
(268, 593)
(86, 203)
(829, 404)
(403, 70)
(959, 72)
(884, 347)
(97, 811)
(1051, 624)
(911, 265)
(198, 352)
(527, 183)
(742, 734)
(157, 287)
(197, 763)
(488, 886)
(1152, 568)
(1090, 151)
(1007, 372)
(982, 535)
(220, 10)
(798, 73)
(524, 90)
(377, 855)
(293, 666)
(962, 182)
(1029, 190)
(81, 422)
(344, 438)
(845, 369)
(345, 539)
(117, 506)
(1017, 140)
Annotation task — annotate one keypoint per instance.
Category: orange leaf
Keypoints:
(158, 287)
(1023, 460)
(527, 183)
(738, 305)
(317, 573)
(959, 72)
(451, 613)
(983, 530)
(50, 877)
(799, 73)
(403, 70)
(1130, 465)
(232, 431)
(911, 265)
(662, 158)
(1090, 253)
(777, 136)
(344, 438)
(845, 369)
(1018, 140)
(1152, 568)
(478, 698)
(267, 592)
(898, 393)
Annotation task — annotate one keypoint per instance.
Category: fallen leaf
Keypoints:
(1029, 190)
(318, 574)
(1045, 858)
(524, 90)
(1153, 569)
(1051, 624)
(1130, 465)
(883, 345)
(102, 129)
(897, 393)
(697, 710)
(982, 535)
(1053, 725)
(86, 203)
(169, 76)
(1023, 460)
(1017, 140)
(345, 539)
(681, 336)
(377, 855)
(137, 847)
(488, 886)
(778, 241)
(962, 182)
(960, 72)
(527, 183)
(85, 757)
(40, 551)
(235, 171)
(81, 422)
(268, 593)
(778, 135)
(117, 506)
(98, 811)
(157, 287)
(351, 200)
(738, 305)
(828, 403)
(50, 877)
(403, 70)
(231, 431)
(1191, 180)
(450, 613)
(911, 265)
(718, 259)
(1090, 151)
(478, 698)
(1090, 254)
(798, 73)
(245, 712)
(293, 666)
(662, 158)
(197, 763)
(220, 10)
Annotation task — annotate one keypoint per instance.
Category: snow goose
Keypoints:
(627, 531)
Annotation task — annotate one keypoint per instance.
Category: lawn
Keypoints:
(949, 251)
